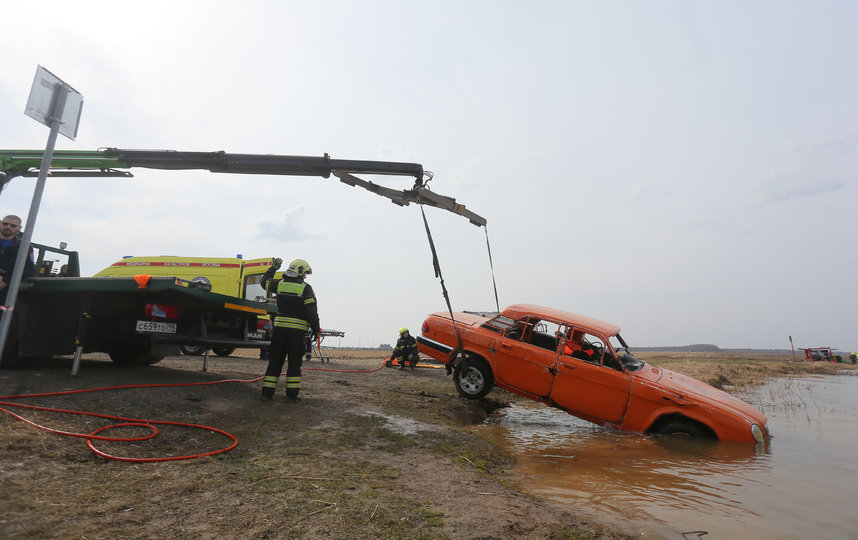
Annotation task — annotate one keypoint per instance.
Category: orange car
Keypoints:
(582, 366)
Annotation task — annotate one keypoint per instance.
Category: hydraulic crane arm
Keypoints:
(110, 162)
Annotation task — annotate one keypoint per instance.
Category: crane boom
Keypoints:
(110, 162)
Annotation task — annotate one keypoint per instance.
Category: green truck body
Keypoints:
(135, 323)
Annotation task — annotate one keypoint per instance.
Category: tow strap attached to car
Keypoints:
(437, 267)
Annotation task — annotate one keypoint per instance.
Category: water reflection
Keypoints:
(800, 487)
(574, 461)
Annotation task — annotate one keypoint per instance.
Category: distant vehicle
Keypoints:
(826, 354)
(582, 366)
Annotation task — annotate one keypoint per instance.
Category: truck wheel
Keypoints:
(135, 354)
(10, 358)
(192, 350)
(473, 378)
(223, 351)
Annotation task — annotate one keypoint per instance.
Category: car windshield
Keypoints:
(253, 289)
(499, 324)
(624, 354)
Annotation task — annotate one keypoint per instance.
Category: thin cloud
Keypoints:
(786, 187)
(288, 226)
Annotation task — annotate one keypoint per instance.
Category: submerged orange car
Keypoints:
(582, 366)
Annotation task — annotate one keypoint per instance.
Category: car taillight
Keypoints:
(263, 324)
(163, 311)
(425, 327)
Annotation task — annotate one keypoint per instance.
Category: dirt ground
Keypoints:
(370, 452)
(366, 454)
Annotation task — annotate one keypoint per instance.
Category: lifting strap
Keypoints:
(492, 266)
(460, 348)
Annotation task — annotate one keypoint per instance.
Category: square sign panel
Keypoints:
(47, 90)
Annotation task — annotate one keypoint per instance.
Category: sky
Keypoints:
(685, 170)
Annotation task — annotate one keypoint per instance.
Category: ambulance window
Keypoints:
(253, 289)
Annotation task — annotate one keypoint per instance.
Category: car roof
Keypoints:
(541, 312)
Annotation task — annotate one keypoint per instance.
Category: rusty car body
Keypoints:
(582, 366)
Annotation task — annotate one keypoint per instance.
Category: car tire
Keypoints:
(192, 350)
(683, 428)
(223, 351)
(473, 378)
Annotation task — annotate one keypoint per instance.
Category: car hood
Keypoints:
(686, 390)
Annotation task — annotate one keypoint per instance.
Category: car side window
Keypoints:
(584, 346)
(515, 331)
(546, 335)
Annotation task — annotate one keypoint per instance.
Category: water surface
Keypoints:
(804, 485)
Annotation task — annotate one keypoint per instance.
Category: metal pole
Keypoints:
(793, 349)
(60, 96)
(80, 337)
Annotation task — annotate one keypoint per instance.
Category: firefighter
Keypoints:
(853, 357)
(577, 347)
(297, 314)
(405, 350)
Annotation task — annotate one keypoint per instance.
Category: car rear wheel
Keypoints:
(223, 351)
(473, 378)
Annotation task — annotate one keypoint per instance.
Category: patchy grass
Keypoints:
(735, 370)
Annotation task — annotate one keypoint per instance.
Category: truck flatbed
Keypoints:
(134, 323)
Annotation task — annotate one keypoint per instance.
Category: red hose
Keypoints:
(133, 422)
(122, 421)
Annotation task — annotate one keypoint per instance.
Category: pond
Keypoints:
(802, 486)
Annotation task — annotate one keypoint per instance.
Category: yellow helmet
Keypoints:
(298, 267)
(402, 330)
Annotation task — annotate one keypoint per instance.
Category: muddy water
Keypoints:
(804, 485)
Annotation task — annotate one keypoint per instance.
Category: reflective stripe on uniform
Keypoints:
(270, 381)
(291, 288)
(293, 382)
(292, 323)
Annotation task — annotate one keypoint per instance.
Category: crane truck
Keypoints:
(140, 319)
(232, 276)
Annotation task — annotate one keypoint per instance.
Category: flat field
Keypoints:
(370, 452)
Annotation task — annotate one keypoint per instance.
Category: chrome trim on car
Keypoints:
(432, 344)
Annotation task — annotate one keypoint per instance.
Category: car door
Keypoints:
(519, 364)
(587, 387)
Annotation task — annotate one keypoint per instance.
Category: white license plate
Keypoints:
(156, 327)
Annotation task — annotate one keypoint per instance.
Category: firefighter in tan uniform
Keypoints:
(297, 315)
